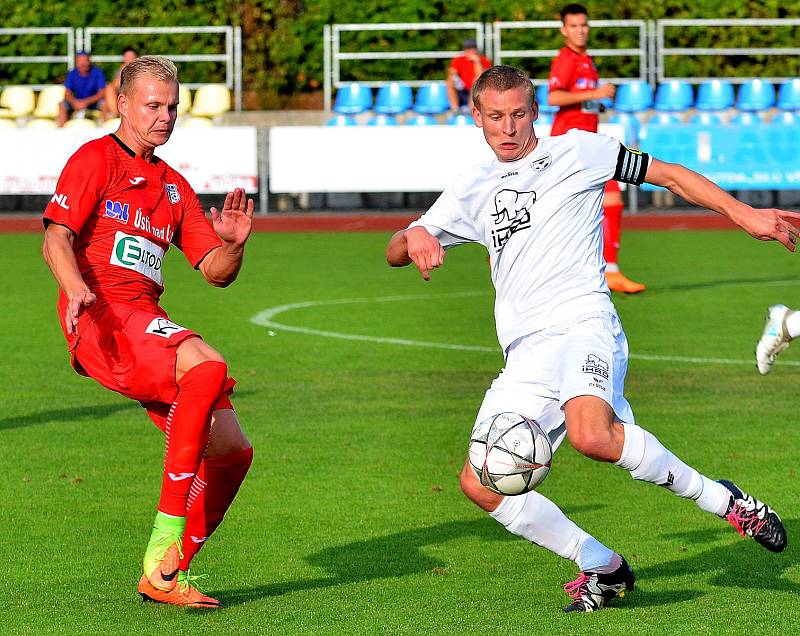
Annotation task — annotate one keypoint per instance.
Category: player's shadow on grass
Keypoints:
(71, 414)
(392, 556)
(716, 284)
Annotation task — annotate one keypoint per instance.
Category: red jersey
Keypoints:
(125, 213)
(466, 69)
(573, 72)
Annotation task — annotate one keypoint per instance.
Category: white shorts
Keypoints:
(587, 356)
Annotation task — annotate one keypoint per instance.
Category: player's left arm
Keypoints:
(232, 225)
(764, 224)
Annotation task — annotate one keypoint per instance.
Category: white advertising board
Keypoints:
(377, 158)
(213, 160)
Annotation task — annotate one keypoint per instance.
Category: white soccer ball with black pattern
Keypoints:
(509, 453)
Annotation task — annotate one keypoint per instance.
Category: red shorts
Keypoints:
(132, 351)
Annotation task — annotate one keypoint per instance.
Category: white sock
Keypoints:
(534, 517)
(647, 460)
(612, 268)
(793, 324)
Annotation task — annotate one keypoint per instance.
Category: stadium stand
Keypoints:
(196, 122)
(634, 97)
(353, 99)
(674, 97)
(49, 99)
(786, 118)
(541, 97)
(630, 123)
(341, 120)
(715, 95)
(789, 95)
(705, 119)
(544, 118)
(665, 119)
(755, 95)
(7, 123)
(211, 100)
(421, 120)
(459, 119)
(111, 124)
(394, 99)
(432, 99)
(82, 123)
(745, 118)
(185, 100)
(41, 123)
(17, 102)
(382, 119)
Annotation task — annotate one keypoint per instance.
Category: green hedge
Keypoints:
(283, 48)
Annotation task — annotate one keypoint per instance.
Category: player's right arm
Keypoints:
(60, 258)
(415, 245)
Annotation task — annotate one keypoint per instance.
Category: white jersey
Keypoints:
(540, 218)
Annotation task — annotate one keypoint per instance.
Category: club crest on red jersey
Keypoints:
(172, 192)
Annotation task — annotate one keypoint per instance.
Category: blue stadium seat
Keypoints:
(665, 119)
(631, 125)
(421, 120)
(382, 119)
(789, 95)
(674, 96)
(714, 95)
(341, 120)
(432, 99)
(541, 97)
(706, 119)
(746, 118)
(393, 99)
(544, 118)
(786, 118)
(459, 119)
(353, 99)
(755, 95)
(634, 97)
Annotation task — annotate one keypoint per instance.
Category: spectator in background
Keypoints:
(575, 88)
(463, 71)
(112, 89)
(86, 89)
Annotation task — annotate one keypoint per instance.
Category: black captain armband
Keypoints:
(631, 166)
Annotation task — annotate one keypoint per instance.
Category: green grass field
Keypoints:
(351, 521)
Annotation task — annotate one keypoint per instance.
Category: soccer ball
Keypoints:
(510, 454)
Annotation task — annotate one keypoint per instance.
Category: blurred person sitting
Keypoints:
(463, 71)
(85, 90)
(112, 88)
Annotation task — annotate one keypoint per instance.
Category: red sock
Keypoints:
(612, 227)
(187, 429)
(213, 491)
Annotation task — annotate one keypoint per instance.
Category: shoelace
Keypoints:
(190, 580)
(574, 588)
(744, 520)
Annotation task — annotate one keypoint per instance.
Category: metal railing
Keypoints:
(662, 51)
(232, 55)
(644, 37)
(67, 58)
(334, 54)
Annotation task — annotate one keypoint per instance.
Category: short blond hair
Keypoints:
(154, 66)
(501, 79)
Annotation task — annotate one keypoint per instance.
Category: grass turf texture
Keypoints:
(351, 520)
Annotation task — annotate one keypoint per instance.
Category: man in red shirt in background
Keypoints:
(463, 71)
(116, 210)
(574, 87)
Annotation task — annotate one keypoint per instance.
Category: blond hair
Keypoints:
(153, 66)
(501, 78)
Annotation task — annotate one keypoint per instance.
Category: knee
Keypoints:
(476, 492)
(594, 442)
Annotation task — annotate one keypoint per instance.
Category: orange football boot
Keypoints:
(618, 282)
(184, 594)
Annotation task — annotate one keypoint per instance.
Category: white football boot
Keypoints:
(774, 339)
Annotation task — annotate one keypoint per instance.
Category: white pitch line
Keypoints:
(265, 319)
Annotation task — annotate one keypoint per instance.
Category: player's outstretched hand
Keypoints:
(234, 222)
(75, 307)
(424, 250)
(773, 225)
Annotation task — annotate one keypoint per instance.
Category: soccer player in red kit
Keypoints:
(575, 88)
(116, 210)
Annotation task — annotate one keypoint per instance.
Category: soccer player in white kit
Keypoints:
(537, 208)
